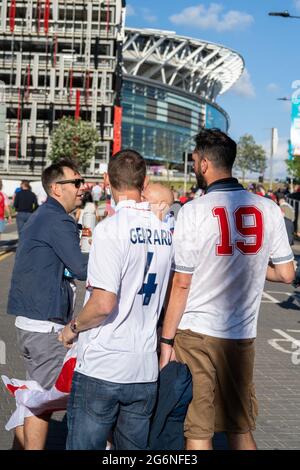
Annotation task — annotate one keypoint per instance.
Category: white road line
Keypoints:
(272, 299)
(279, 292)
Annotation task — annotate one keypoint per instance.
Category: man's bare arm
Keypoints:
(98, 307)
(176, 306)
(281, 272)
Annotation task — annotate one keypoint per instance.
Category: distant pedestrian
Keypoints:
(25, 203)
(4, 209)
(97, 193)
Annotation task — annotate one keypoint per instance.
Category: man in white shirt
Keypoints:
(223, 242)
(114, 384)
(96, 193)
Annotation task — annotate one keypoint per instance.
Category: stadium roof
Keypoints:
(192, 65)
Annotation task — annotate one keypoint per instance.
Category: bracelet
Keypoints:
(167, 341)
(73, 326)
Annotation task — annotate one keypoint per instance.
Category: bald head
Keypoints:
(160, 198)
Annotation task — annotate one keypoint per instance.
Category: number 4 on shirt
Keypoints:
(148, 288)
(255, 230)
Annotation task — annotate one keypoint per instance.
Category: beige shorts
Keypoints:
(223, 390)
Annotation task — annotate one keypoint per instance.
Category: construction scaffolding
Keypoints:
(58, 58)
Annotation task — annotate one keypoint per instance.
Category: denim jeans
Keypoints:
(98, 410)
(21, 219)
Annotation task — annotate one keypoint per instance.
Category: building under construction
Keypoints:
(58, 58)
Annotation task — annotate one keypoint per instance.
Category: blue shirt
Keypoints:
(49, 244)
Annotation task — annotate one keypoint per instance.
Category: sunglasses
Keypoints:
(77, 182)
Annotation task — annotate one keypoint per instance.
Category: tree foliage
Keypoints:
(74, 139)
(293, 167)
(251, 157)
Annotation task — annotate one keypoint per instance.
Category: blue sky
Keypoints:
(269, 46)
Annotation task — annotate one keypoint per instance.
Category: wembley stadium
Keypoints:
(170, 87)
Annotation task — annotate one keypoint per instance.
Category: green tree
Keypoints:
(74, 139)
(250, 156)
(293, 167)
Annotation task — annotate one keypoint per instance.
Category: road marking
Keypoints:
(286, 338)
(279, 292)
(5, 255)
(269, 297)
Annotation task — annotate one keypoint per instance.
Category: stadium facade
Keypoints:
(170, 88)
(70, 58)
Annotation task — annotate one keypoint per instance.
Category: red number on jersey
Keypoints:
(224, 248)
(255, 230)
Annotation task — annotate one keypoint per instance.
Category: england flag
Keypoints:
(32, 399)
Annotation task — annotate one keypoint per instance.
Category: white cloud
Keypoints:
(297, 4)
(148, 15)
(272, 87)
(212, 18)
(130, 11)
(244, 86)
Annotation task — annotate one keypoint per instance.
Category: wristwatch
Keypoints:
(73, 326)
(167, 341)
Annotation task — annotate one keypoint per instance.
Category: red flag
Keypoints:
(27, 82)
(39, 14)
(54, 50)
(70, 84)
(46, 16)
(77, 110)
(117, 143)
(87, 87)
(107, 17)
(18, 124)
(12, 15)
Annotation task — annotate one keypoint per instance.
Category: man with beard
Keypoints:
(226, 243)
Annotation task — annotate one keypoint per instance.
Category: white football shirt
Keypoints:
(225, 239)
(130, 256)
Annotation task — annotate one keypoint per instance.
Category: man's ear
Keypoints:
(146, 182)
(106, 180)
(56, 190)
(204, 165)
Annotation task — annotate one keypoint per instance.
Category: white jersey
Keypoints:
(131, 256)
(225, 239)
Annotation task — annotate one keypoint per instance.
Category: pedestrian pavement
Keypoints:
(276, 373)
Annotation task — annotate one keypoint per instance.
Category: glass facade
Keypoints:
(160, 123)
(214, 118)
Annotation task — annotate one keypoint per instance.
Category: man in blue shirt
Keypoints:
(48, 258)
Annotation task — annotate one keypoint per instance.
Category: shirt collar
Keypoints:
(131, 204)
(55, 203)
(225, 184)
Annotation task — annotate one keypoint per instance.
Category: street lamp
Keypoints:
(283, 14)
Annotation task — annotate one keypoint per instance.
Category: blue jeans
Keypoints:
(98, 410)
(21, 219)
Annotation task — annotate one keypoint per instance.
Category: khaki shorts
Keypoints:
(223, 390)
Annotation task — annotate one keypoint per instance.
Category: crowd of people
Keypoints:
(197, 269)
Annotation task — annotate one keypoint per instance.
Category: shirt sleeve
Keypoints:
(106, 259)
(65, 243)
(281, 251)
(185, 243)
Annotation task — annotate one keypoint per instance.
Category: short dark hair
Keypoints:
(217, 147)
(127, 170)
(55, 171)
